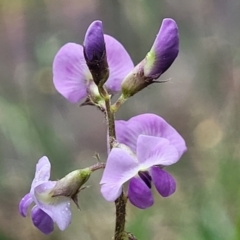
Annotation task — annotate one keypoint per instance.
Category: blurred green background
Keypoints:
(201, 100)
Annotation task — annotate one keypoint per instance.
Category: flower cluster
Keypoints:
(140, 148)
(78, 70)
(72, 76)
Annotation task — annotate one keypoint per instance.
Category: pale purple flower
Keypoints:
(47, 209)
(71, 75)
(153, 144)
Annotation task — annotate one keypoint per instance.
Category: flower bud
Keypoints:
(70, 185)
(164, 50)
(135, 81)
(161, 56)
(95, 53)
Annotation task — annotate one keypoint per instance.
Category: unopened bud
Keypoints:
(135, 81)
(161, 56)
(95, 53)
(71, 184)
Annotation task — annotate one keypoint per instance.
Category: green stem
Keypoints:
(121, 202)
(118, 103)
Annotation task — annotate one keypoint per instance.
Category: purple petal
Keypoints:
(42, 221)
(94, 41)
(119, 169)
(139, 193)
(42, 173)
(41, 195)
(43, 189)
(151, 125)
(163, 181)
(119, 62)
(70, 72)
(61, 211)
(155, 151)
(24, 204)
(58, 208)
(164, 50)
(145, 144)
(111, 191)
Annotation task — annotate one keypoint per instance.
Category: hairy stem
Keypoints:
(120, 203)
(97, 166)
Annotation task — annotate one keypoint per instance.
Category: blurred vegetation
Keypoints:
(201, 101)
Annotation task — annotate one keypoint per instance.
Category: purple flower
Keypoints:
(47, 209)
(71, 75)
(161, 56)
(150, 144)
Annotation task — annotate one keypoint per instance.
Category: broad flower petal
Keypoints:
(61, 213)
(164, 50)
(139, 193)
(111, 191)
(163, 181)
(70, 72)
(151, 152)
(42, 221)
(119, 62)
(119, 169)
(24, 204)
(148, 124)
(42, 173)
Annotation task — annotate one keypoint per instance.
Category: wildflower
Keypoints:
(152, 144)
(161, 56)
(71, 75)
(52, 198)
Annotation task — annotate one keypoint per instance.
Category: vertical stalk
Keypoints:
(120, 203)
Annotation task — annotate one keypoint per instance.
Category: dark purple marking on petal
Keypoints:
(144, 175)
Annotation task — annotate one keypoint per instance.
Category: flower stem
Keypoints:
(97, 166)
(120, 205)
(118, 103)
(121, 202)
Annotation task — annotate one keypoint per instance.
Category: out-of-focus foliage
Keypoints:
(201, 100)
